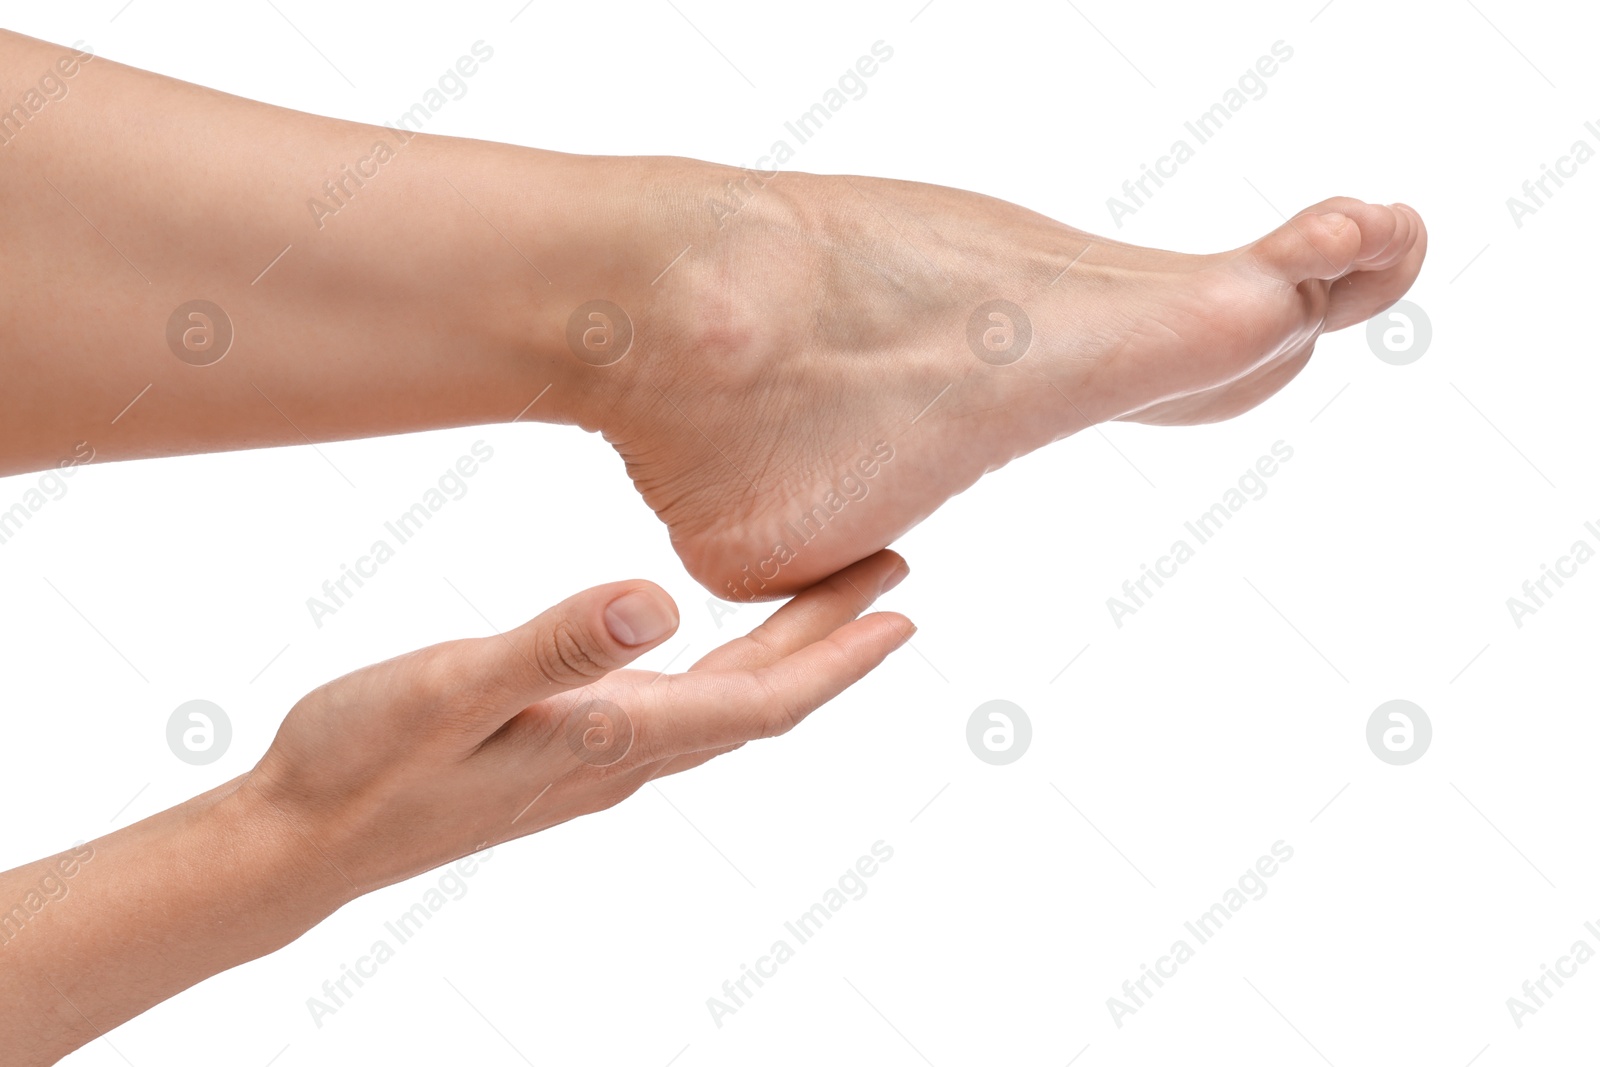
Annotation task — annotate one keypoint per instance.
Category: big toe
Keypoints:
(1314, 245)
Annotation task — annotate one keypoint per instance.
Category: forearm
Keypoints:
(375, 280)
(93, 937)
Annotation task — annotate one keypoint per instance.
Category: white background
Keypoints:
(1228, 714)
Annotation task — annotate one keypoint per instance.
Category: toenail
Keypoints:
(1336, 221)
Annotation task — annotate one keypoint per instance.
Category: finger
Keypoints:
(706, 710)
(812, 615)
(575, 643)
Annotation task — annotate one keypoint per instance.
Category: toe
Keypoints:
(1374, 252)
(1362, 294)
(1313, 245)
(1407, 228)
(1381, 227)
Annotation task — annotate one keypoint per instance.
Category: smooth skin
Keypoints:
(774, 348)
(403, 767)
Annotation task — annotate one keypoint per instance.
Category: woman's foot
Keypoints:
(825, 366)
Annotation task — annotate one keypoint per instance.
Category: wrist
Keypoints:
(273, 858)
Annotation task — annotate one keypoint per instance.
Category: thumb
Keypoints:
(580, 640)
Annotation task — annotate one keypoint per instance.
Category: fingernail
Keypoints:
(895, 577)
(639, 617)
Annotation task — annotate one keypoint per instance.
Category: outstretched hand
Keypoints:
(411, 763)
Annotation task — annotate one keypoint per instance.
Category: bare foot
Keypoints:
(820, 371)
